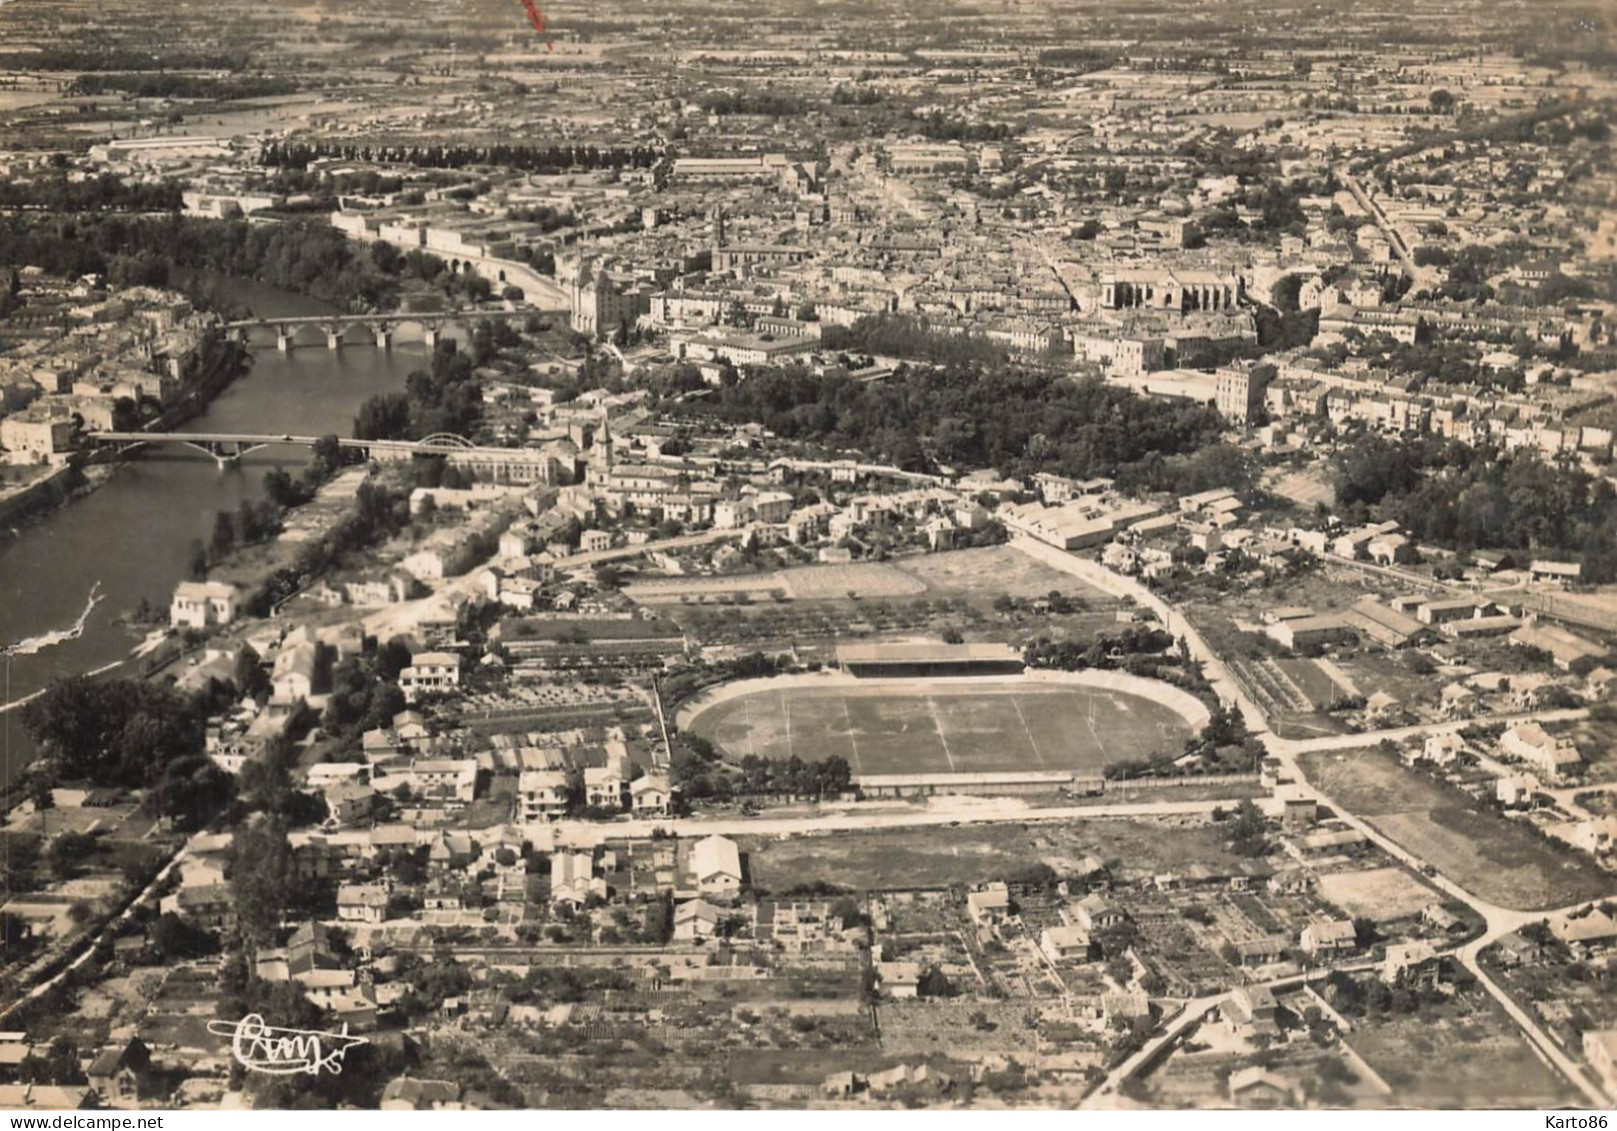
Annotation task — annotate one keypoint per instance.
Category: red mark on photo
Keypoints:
(536, 18)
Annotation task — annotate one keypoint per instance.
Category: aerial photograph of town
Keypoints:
(838, 555)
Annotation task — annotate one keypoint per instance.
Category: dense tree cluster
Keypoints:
(1102, 652)
(1465, 498)
(756, 103)
(1372, 997)
(364, 694)
(116, 732)
(1012, 419)
(908, 336)
(310, 257)
(379, 512)
(941, 127)
(793, 777)
(105, 193)
(441, 398)
(549, 219)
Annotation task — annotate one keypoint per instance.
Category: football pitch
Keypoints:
(930, 729)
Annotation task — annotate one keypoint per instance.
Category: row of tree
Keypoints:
(379, 512)
(526, 158)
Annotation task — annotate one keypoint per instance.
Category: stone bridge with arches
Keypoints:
(381, 326)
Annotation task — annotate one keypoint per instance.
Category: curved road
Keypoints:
(1499, 920)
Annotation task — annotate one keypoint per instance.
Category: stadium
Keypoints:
(919, 719)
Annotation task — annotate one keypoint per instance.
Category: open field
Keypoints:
(980, 574)
(1314, 681)
(1471, 1058)
(973, 854)
(991, 571)
(1485, 853)
(928, 728)
(1305, 488)
(818, 582)
(1380, 893)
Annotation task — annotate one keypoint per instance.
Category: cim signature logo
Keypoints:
(284, 1052)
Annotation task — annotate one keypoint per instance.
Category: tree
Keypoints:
(193, 790)
(249, 676)
(1442, 102)
(113, 732)
(59, 1064)
(223, 541)
(197, 561)
(1247, 831)
(328, 454)
(14, 932)
(933, 983)
(383, 417)
(43, 797)
(179, 940)
(67, 851)
(262, 878)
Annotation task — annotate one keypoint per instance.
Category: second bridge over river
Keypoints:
(507, 465)
(380, 326)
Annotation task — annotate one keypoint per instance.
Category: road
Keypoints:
(1422, 276)
(1093, 573)
(1106, 1093)
(1499, 920)
(949, 810)
(87, 947)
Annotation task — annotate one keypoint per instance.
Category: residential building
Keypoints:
(362, 903)
(429, 673)
(716, 866)
(120, 1073)
(1551, 755)
(1328, 936)
(1240, 395)
(202, 604)
(444, 779)
(543, 794)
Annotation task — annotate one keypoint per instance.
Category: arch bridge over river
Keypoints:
(336, 326)
(512, 465)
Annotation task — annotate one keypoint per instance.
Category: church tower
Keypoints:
(601, 451)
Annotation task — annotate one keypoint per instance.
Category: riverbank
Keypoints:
(234, 361)
(133, 534)
(44, 494)
(83, 474)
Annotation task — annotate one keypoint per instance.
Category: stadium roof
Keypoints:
(927, 654)
(989, 777)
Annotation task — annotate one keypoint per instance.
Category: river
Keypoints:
(133, 534)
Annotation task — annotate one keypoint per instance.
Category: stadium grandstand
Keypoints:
(990, 782)
(890, 661)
